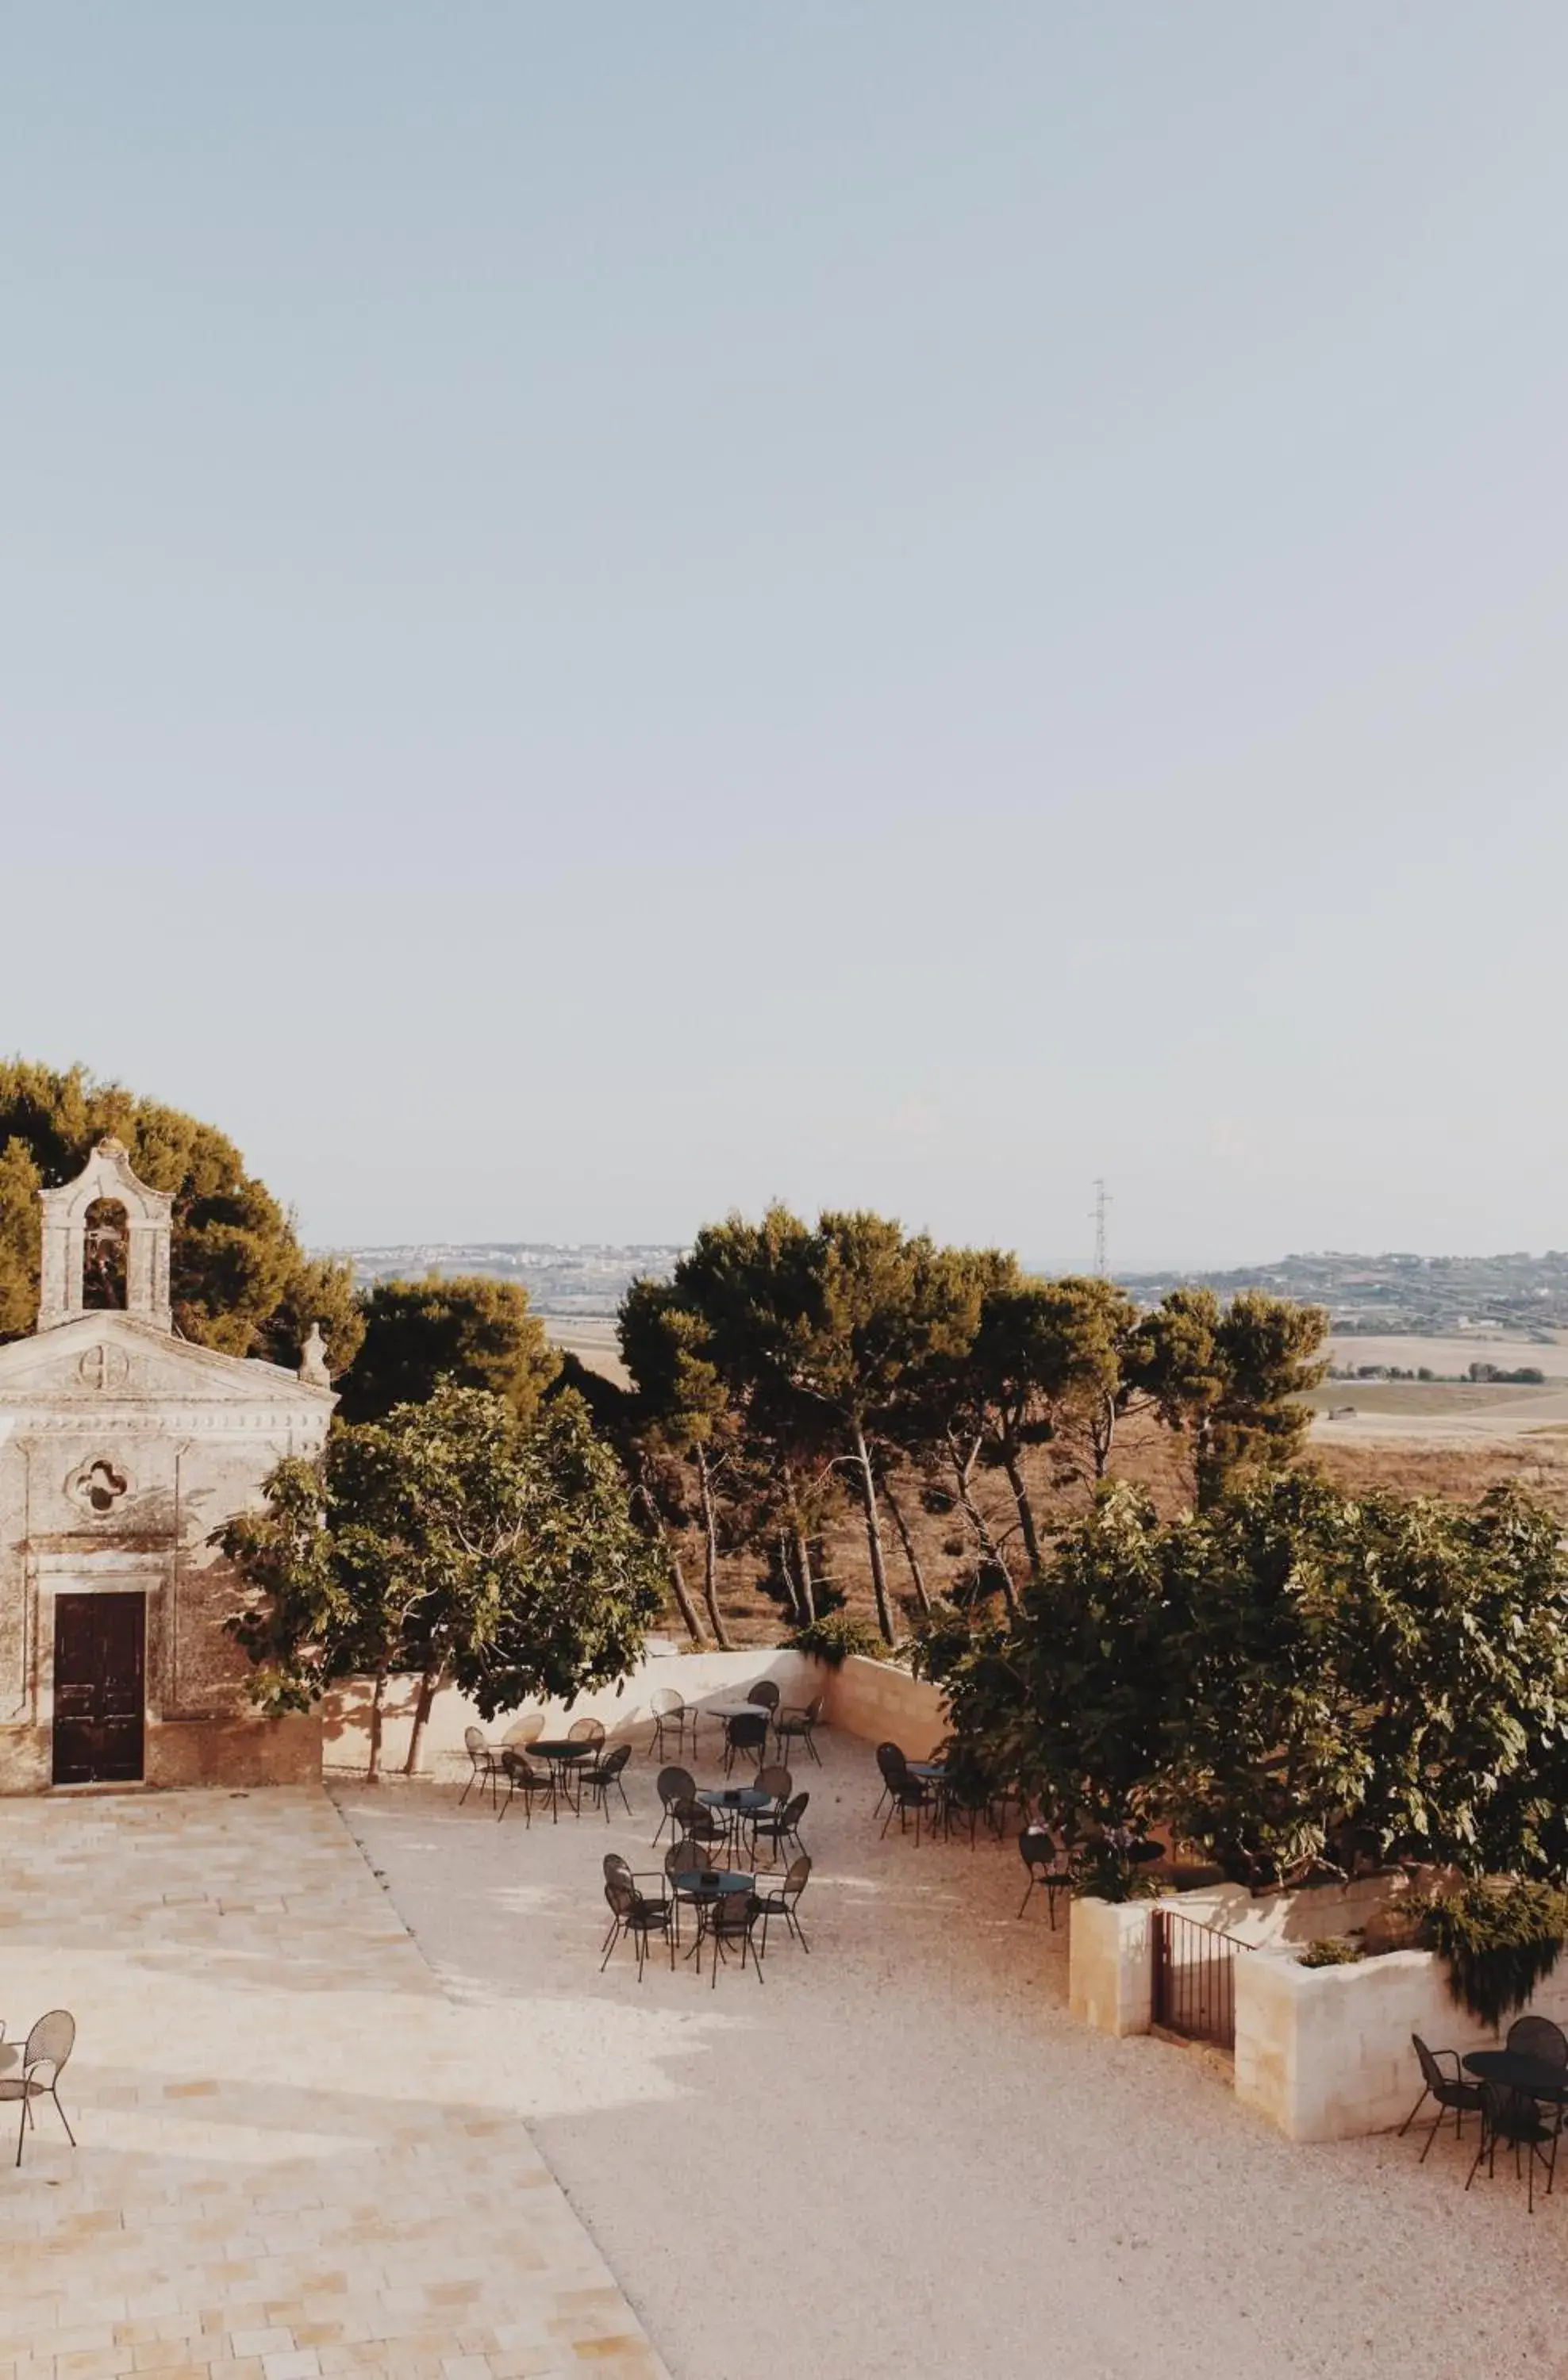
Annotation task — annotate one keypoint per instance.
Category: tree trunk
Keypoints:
(1021, 1497)
(378, 1701)
(787, 1575)
(991, 1552)
(907, 1541)
(866, 1481)
(711, 1553)
(1102, 1436)
(428, 1684)
(670, 1552)
(803, 1572)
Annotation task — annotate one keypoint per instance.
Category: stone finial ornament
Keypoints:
(313, 1360)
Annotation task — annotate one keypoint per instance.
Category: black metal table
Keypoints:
(734, 1805)
(561, 1752)
(702, 1888)
(1536, 2080)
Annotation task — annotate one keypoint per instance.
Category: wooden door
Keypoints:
(99, 1688)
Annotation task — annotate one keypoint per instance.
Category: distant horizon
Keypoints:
(1116, 1267)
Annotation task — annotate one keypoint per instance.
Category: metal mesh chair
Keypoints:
(902, 1791)
(1451, 2093)
(800, 1726)
(784, 1901)
(727, 1920)
(585, 1731)
(745, 1735)
(484, 1766)
(698, 1824)
(1538, 2038)
(599, 1775)
(670, 1716)
(672, 1785)
(527, 1784)
(779, 1827)
(1513, 2117)
(891, 1766)
(44, 2054)
(639, 1914)
(776, 1781)
(524, 1732)
(765, 1694)
(1047, 1867)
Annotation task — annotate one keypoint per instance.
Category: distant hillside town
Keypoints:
(1382, 1295)
(578, 1281)
(1403, 1295)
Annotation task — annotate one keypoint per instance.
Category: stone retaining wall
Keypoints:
(870, 1699)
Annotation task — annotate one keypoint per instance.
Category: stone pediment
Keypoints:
(112, 1361)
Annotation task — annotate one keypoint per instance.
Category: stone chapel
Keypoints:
(122, 1448)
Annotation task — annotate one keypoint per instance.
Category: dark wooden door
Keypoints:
(99, 1688)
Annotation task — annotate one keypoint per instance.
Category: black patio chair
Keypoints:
(484, 1765)
(765, 1694)
(779, 1827)
(599, 1775)
(727, 1920)
(1451, 2092)
(528, 1784)
(798, 1726)
(747, 1736)
(1538, 2038)
(776, 1781)
(44, 2054)
(639, 1914)
(891, 1764)
(784, 1901)
(686, 1858)
(523, 1731)
(700, 1825)
(1512, 2115)
(585, 1731)
(670, 1716)
(903, 1792)
(671, 1785)
(1047, 1867)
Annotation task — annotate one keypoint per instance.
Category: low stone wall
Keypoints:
(882, 1704)
(1324, 2052)
(870, 1699)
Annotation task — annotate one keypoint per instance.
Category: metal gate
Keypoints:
(1195, 1990)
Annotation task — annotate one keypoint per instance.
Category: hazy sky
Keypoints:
(606, 613)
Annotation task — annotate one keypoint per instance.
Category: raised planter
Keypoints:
(1324, 2052)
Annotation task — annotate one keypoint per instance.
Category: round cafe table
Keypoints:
(734, 1805)
(1527, 2074)
(702, 1886)
(562, 1753)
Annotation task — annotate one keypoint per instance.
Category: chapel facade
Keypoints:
(123, 1446)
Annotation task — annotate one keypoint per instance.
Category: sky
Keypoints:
(610, 613)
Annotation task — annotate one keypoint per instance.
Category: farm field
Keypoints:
(1454, 1355)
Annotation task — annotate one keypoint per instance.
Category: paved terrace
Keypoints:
(900, 2156)
(292, 2160)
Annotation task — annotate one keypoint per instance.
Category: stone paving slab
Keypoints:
(296, 2159)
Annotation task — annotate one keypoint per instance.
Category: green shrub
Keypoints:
(1333, 1950)
(1499, 1940)
(835, 1639)
(1100, 1872)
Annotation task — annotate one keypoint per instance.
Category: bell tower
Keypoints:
(78, 1221)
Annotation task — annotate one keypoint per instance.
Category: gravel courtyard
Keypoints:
(899, 2156)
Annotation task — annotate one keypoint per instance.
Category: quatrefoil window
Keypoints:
(99, 1486)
